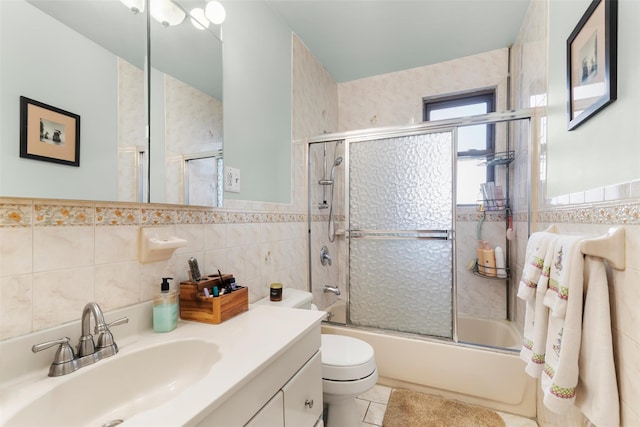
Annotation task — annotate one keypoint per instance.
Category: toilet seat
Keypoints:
(346, 358)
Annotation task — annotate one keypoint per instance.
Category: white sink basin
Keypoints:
(121, 386)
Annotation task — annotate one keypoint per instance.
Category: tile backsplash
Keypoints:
(57, 255)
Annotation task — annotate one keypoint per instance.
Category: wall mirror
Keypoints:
(89, 58)
(186, 104)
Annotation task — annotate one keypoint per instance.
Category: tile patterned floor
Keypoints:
(373, 404)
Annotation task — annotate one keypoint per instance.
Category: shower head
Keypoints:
(336, 162)
(329, 181)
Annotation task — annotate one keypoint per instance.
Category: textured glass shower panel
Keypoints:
(402, 285)
(401, 183)
(397, 280)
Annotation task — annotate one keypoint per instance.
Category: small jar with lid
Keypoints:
(275, 292)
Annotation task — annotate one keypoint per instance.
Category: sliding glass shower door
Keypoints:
(401, 231)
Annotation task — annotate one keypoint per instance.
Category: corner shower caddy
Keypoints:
(503, 158)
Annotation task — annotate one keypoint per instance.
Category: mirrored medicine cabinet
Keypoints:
(149, 97)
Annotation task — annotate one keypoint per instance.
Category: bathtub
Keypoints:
(489, 332)
(481, 376)
(472, 330)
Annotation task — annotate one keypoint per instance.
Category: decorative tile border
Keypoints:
(44, 213)
(117, 216)
(621, 213)
(62, 215)
(489, 216)
(520, 217)
(15, 215)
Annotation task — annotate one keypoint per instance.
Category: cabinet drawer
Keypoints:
(303, 395)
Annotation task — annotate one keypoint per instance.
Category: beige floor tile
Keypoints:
(362, 406)
(378, 394)
(375, 414)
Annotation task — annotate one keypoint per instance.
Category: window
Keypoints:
(474, 142)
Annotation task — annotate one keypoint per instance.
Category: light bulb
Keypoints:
(215, 12)
(198, 19)
(166, 12)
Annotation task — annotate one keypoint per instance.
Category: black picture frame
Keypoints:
(592, 56)
(48, 133)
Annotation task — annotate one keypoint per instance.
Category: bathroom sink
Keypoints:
(121, 386)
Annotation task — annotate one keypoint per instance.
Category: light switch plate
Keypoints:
(231, 179)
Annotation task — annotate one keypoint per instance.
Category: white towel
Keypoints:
(535, 337)
(534, 257)
(560, 279)
(597, 391)
(564, 298)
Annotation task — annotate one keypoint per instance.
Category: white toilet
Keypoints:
(348, 366)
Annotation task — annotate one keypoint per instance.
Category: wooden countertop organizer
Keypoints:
(194, 305)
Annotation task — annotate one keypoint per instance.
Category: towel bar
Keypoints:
(610, 246)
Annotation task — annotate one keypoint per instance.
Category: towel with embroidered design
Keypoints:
(564, 300)
(537, 315)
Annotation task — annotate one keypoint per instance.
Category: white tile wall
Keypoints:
(74, 252)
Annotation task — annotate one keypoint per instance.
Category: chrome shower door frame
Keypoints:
(418, 129)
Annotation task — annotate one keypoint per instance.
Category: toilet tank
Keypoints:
(294, 298)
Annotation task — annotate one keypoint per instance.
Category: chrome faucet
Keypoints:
(86, 346)
(325, 258)
(65, 361)
(105, 346)
(335, 290)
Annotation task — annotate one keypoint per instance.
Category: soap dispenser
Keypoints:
(165, 308)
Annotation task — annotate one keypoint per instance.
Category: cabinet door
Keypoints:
(303, 395)
(271, 414)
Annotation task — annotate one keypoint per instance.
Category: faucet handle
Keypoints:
(64, 353)
(64, 361)
(120, 321)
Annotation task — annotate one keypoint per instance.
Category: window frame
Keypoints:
(430, 104)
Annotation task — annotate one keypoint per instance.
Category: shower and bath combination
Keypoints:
(400, 220)
(396, 266)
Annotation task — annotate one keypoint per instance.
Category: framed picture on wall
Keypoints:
(48, 133)
(591, 62)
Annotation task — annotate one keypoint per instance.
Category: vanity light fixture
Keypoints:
(136, 6)
(198, 18)
(166, 12)
(215, 12)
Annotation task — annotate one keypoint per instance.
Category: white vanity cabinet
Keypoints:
(298, 403)
(265, 361)
(303, 395)
(285, 392)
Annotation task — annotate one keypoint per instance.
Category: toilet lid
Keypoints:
(346, 358)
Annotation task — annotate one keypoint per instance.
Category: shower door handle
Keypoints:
(402, 234)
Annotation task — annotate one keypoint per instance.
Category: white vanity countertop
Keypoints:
(246, 344)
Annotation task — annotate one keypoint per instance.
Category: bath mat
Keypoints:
(412, 409)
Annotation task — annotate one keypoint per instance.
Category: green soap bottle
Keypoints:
(165, 308)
